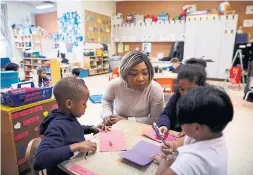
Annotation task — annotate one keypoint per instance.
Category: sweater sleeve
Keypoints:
(168, 113)
(157, 105)
(52, 150)
(108, 99)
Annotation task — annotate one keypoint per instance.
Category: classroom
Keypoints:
(126, 87)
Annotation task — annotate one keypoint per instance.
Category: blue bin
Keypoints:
(8, 78)
(84, 73)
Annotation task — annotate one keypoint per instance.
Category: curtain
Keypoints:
(4, 29)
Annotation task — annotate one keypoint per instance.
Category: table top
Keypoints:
(19, 108)
(109, 163)
(165, 75)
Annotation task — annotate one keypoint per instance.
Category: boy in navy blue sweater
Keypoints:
(63, 134)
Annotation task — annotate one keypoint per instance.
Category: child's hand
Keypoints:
(84, 146)
(167, 149)
(103, 127)
(164, 130)
(181, 134)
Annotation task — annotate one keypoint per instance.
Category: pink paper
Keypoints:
(112, 141)
(31, 120)
(81, 170)
(27, 111)
(21, 136)
(152, 134)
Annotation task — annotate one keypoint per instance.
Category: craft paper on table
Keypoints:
(152, 135)
(112, 141)
(142, 153)
(126, 48)
(120, 48)
(81, 170)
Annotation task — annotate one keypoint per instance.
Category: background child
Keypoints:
(76, 74)
(63, 134)
(203, 114)
(42, 77)
(11, 67)
(176, 65)
(190, 76)
(64, 60)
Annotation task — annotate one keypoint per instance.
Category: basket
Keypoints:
(15, 100)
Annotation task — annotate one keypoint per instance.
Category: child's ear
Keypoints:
(68, 104)
(199, 128)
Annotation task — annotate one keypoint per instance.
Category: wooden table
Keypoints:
(166, 80)
(110, 163)
(19, 125)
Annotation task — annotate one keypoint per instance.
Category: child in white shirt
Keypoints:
(203, 114)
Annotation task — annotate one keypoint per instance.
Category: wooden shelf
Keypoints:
(96, 64)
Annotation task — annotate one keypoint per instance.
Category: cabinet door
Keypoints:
(229, 24)
(190, 38)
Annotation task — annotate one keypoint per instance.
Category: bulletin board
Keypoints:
(97, 28)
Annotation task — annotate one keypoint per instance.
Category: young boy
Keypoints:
(64, 60)
(176, 65)
(203, 114)
(76, 74)
(63, 134)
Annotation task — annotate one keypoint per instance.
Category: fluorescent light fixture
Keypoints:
(46, 6)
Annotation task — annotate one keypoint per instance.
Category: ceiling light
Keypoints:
(46, 6)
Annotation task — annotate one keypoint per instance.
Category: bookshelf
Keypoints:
(31, 41)
(97, 64)
(52, 67)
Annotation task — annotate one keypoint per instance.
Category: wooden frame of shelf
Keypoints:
(97, 64)
(34, 63)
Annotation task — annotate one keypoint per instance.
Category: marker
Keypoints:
(86, 154)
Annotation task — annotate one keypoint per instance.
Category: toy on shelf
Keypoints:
(163, 16)
(130, 18)
(224, 6)
(150, 18)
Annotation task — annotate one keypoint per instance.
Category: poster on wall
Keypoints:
(146, 48)
(248, 23)
(69, 29)
(249, 9)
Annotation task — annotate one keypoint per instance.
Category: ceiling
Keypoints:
(37, 3)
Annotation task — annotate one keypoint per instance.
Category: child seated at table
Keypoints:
(176, 65)
(43, 81)
(76, 74)
(203, 114)
(63, 134)
(64, 60)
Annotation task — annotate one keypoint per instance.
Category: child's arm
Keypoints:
(95, 129)
(52, 150)
(163, 168)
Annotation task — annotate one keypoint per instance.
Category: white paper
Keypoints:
(248, 23)
(249, 9)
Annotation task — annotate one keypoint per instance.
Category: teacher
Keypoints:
(133, 96)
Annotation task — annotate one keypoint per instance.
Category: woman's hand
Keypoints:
(164, 130)
(107, 121)
(103, 127)
(115, 119)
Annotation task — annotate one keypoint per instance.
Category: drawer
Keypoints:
(26, 125)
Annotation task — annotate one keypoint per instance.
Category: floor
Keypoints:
(239, 133)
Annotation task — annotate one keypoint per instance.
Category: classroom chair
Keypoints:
(29, 155)
(166, 83)
(115, 73)
(250, 88)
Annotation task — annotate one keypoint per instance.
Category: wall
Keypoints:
(108, 8)
(47, 21)
(174, 8)
(17, 11)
